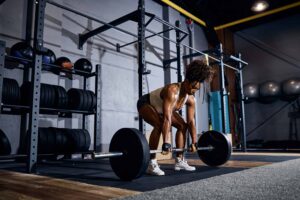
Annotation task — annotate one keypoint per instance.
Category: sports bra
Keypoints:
(157, 102)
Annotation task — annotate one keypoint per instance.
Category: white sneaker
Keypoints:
(153, 168)
(181, 164)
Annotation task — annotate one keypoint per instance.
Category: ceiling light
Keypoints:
(259, 6)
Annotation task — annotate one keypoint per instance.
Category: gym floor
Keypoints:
(95, 179)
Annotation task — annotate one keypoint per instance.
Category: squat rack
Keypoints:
(139, 17)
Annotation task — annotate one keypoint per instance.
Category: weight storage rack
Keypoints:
(34, 110)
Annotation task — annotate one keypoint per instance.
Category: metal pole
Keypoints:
(84, 115)
(2, 58)
(222, 89)
(178, 53)
(242, 116)
(97, 123)
(141, 52)
(166, 47)
(29, 17)
(36, 80)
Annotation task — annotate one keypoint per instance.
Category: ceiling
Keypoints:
(235, 14)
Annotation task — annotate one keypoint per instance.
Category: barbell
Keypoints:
(129, 152)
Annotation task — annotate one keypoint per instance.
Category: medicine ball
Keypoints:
(251, 92)
(49, 57)
(290, 89)
(22, 50)
(63, 63)
(83, 64)
(269, 92)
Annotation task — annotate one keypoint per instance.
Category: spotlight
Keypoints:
(259, 6)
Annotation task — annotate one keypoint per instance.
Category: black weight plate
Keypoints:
(75, 139)
(59, 141)
(59, 97)
(70, 143)
(10, 92)
(5, 147)
(82, 100)
(53, 96)
(15, 86)
(43, 139)
(87, 140)
(222, 148)
(90, 94)
(48, 96)
(43, 96)
(17, 93)
(88, 100)
(81, 139)
(64, 99)
(26, 93)
(136, 154)
(5, 91)
(51, 146)
(74, 98)
(94, 100)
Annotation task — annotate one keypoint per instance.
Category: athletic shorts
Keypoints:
(145, 99)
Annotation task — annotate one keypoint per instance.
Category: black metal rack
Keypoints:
(34, 110)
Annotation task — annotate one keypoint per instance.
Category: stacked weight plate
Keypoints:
(61, 140)
(81, 99)
(51, 96)
(10, 92)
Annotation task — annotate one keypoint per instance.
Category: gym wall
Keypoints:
(277, 60)
(119, 77)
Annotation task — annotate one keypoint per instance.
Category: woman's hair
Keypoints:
(197, 70)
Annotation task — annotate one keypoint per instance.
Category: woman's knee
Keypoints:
(182, 127)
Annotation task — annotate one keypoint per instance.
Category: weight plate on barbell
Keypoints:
(221, 148)
(134, 146)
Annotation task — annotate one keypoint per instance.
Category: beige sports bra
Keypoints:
(157, 102)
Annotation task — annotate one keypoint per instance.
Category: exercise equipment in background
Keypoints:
(49, 57)
(290, 89)
(251, 92)
(22, 50)
(51, 96)
(83, 64)
(61, 141)
(269, 92)
(10, 92)
(81, 99)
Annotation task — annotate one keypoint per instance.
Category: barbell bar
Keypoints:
(116, 154)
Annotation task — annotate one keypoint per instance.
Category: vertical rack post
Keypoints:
(2, 57)
(141, 52)
(97, 123)
(222, 89)
(84, 115)
(36, 80)
(242, 105)
(166, 47)
(178, 53)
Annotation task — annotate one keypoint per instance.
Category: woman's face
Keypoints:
(193, 87)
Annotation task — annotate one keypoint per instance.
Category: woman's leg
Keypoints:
(151, 116)
(179, 123)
